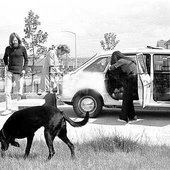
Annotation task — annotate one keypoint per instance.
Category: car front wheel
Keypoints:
(87, 102)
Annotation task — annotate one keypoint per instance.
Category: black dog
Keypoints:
(24, 123)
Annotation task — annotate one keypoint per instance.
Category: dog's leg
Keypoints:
(49, 142)
(2, 153)
(14, 143)
(28, 147)
(4, 147)
(63, 136)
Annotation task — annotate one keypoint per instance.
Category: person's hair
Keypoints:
(11, 38)
(60, 47)
(116, 56)
(64, 48)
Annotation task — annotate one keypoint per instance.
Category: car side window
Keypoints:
(98, 65)
(161, 82)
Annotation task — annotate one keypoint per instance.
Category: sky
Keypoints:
(136, 23)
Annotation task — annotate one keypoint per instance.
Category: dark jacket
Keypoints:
(127, 66)
(16, 59)
(129, 73)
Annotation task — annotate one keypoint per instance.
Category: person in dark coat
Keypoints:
(129, 78)
(16, 61)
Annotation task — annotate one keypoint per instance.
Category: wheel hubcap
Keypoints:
(87, 104)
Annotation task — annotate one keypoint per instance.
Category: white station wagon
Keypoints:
(86, 88)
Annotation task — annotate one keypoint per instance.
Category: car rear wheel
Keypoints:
(87, 102)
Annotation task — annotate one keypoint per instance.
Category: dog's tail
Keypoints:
(77, 124)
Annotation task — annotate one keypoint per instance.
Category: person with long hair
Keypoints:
(16, 61)
(129, 78)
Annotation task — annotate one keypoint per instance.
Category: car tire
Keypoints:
(87, 102)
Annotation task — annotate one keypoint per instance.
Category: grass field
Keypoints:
(101, 153)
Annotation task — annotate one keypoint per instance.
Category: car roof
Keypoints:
(138, 50)
(145, 50)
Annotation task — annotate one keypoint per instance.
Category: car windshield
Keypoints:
(88, 60)
(98, 65)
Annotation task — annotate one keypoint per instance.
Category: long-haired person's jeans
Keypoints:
(19, 80)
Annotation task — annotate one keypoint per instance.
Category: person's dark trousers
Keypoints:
(127, 111)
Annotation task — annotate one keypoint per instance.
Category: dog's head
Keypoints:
(3, 140)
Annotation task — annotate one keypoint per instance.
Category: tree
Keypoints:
(34, 38)
(109, 41)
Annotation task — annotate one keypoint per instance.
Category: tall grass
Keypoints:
(101, 153)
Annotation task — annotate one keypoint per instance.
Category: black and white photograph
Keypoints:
(85, 85)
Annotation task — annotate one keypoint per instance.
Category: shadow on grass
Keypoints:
(112, 144)
(36, 152)
(19, 156)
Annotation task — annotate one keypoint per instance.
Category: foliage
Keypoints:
(34, 38)
(109, 41)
